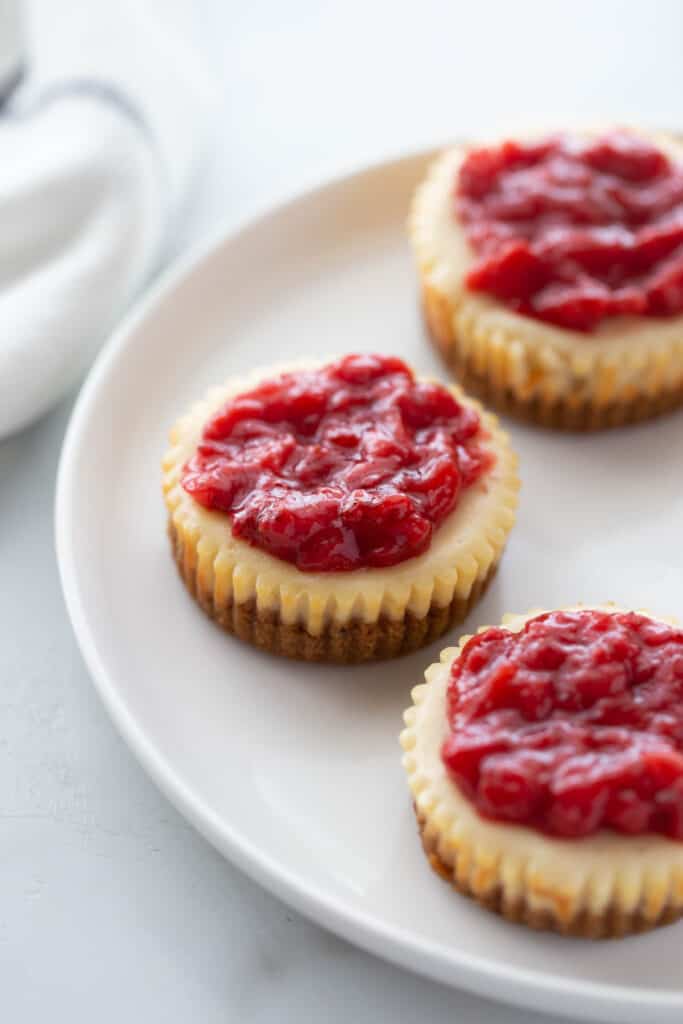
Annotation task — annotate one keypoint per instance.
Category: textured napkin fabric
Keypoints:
(98, 147)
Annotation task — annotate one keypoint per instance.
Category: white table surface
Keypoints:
(111, 907)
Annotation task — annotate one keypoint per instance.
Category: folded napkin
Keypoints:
(99, 143)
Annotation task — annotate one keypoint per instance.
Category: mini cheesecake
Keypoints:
(339, 512)
(545, 762)
(551, 272)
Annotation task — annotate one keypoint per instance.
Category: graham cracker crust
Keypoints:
(345, 645)
(613, 923)
(558, 414)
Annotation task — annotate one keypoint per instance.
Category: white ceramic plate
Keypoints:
(293, 771)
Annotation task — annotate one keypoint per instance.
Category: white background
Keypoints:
(111, 908)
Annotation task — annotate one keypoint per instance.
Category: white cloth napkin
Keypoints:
(98, 147)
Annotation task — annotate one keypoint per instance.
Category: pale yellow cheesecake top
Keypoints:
(600, 867)
(462, 549)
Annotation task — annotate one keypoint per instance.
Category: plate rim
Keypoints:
(519, 986)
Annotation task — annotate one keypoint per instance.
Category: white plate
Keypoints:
(293, 771)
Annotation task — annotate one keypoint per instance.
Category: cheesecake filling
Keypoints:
(571, 725)
(575, 231)
(351, 465)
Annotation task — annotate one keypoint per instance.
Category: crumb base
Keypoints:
(344, 645)
(557, 414)
(613, 923)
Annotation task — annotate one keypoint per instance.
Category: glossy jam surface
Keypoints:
(351, 465)
(573, 232)
(572, 725)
